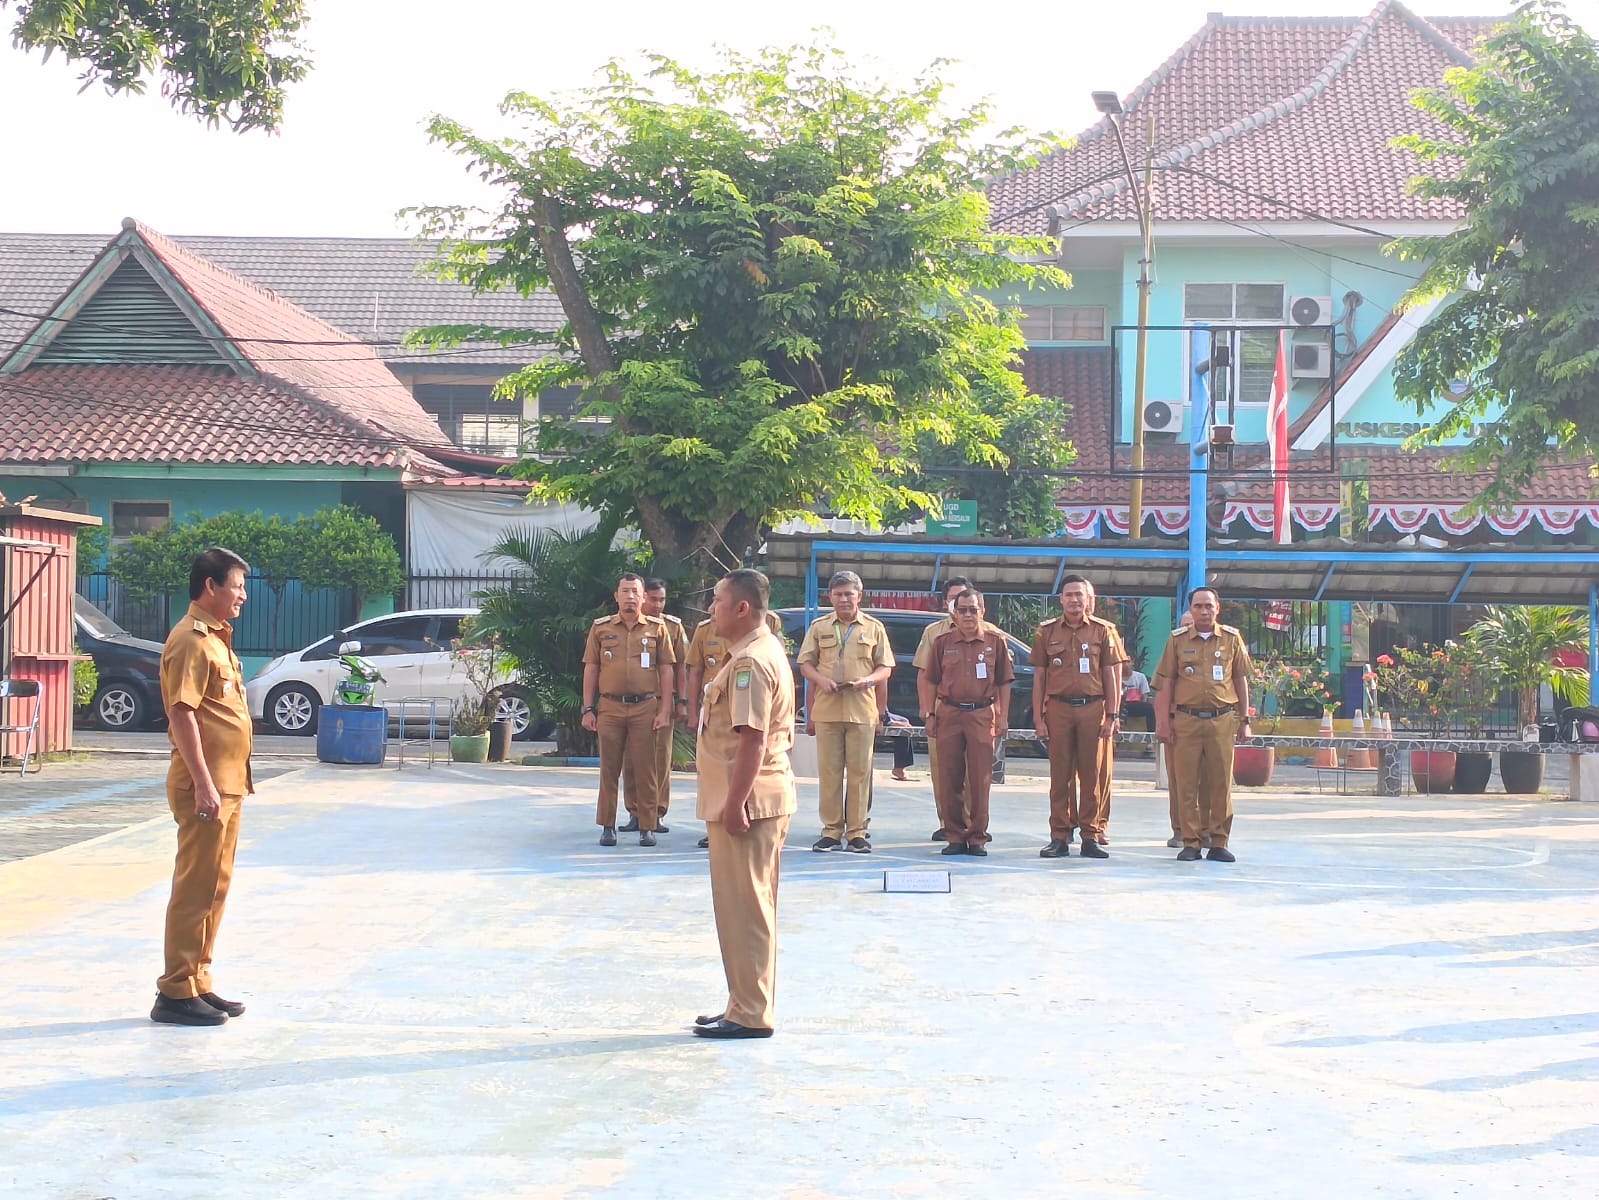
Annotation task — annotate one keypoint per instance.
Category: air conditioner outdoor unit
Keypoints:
(1311, 310)
(1312, 360)
(1163, 416)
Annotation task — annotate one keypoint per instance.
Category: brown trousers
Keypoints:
(966, 757)
(201, 875)
(1076, 753)
(627, 746)
(1202, 771)
(941, 802)
(844, 762)
(1171, 792)
(663, 754)
(744, 871)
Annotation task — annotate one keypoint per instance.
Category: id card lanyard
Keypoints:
(843, 641)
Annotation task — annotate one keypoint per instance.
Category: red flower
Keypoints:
(1384, 660)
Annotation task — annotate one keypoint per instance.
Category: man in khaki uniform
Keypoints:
(1186, 621)
(843, 658)
(655, 606)
(970, 671)
(746, 799)
(1076, 703)
(208, 724)
(627, 700)
(1201, 709)
(707, 652)
(953, 587)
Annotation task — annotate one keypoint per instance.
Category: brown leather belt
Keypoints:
(629, 699)
(967, 705)
(1079, 701)
(1207, 714)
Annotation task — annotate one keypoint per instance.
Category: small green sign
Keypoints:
(958, 519)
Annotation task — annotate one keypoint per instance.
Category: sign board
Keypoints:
(916, 880)
(958, 519)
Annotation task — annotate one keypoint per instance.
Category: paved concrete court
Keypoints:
(454, 992)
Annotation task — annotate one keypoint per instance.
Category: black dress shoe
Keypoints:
(1092, 849)
(1188, 854)
(1220, 854)
(954, 848)
(630, 827)
(1175, 840)
(1055, 849)
(709, 1020)
(730, 1029)
(232, 1007)
(705, 843)
(939, 835)
(826, 843)
(662, 829)
(859, 846)
(608, 835)
(646, 838)
(189, 1011)
(977, 849)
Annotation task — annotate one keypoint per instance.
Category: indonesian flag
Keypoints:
(1277, 435)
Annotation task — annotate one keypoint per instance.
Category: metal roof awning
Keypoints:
(1324, 569)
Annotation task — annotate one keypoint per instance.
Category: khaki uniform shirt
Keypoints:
(753, 689)
(678, 636)
(199, 671)
(943, 625)
(849, 652)
(1069, 663)
(707, 649)
(964, 669)
(620, 652)
(1201, 669)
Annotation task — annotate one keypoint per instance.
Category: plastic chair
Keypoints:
(11, 691)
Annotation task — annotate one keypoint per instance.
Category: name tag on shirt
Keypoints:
(982, 669)
(644, 660)
(1216, 674)
(1082, 666)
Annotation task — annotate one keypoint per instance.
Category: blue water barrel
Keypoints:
(352, 733)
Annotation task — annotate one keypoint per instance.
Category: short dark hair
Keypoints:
(971, 593)
(655, 584)
(1065, 579)
(954, 581)
(215, 564)
(629, 577)
(750, 586)
(1204, 587)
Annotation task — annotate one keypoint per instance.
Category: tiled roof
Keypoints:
(180, 414)
(1261, 118)
(1082, 377)
(371, 288)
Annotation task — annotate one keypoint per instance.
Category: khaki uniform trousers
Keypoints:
(1075, 756)
(663, 765)
(627, 746)
(941, 802)
(1202, 769)
(966, 763)
(201, 875)
(1171, 791)
(844, 762)
(744, 871)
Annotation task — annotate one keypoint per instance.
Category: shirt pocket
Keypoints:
(219, 683)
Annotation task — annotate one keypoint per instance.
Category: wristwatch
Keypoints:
(589, 708)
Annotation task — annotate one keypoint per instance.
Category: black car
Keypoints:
(129, 691)
(905, 628)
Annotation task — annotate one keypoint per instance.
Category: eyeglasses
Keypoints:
(964, 608)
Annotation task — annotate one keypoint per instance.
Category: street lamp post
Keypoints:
(1110, 104)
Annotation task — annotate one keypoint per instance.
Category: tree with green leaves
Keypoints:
(1520, 328)
(1523, 644)
(342, 547)
(221, 60)
(773, 277)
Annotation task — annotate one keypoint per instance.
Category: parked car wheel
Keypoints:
(292, 708)
(527, 723)
(120, 705)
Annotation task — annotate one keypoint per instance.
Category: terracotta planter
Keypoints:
(1252, 765)
(1522, 774)
(1472, 772)
(1432, 770)
(469, 748)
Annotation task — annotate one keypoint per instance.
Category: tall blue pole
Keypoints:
(1198, 458)
(1593, 643)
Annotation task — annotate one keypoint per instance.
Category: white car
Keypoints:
(412, 652)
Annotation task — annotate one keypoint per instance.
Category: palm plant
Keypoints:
(1522, 643)
(541, 619)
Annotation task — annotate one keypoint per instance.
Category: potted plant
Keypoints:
(1468, 688)
(470, 717)
(1412, 683)
(1522, 645)
(1296, 686)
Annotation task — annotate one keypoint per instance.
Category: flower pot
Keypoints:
(1522, 774)
(469, 748)
(1432, 770)
(1252, 765)
(1472, 772)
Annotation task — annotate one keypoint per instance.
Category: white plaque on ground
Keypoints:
(916, 880)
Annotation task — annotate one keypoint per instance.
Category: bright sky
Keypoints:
(352, 151)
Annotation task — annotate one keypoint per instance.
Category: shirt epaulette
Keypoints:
(1228, 629)
(703, 624)
(1180, 630)
(602, 620)
(671, 618)
(200, 626)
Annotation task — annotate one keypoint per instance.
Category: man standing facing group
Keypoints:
(1077, 660)
(843, 658)
(627, 699)
(655, 606)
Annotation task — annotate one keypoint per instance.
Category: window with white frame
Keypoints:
(1243, 304)
(1063, 322)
